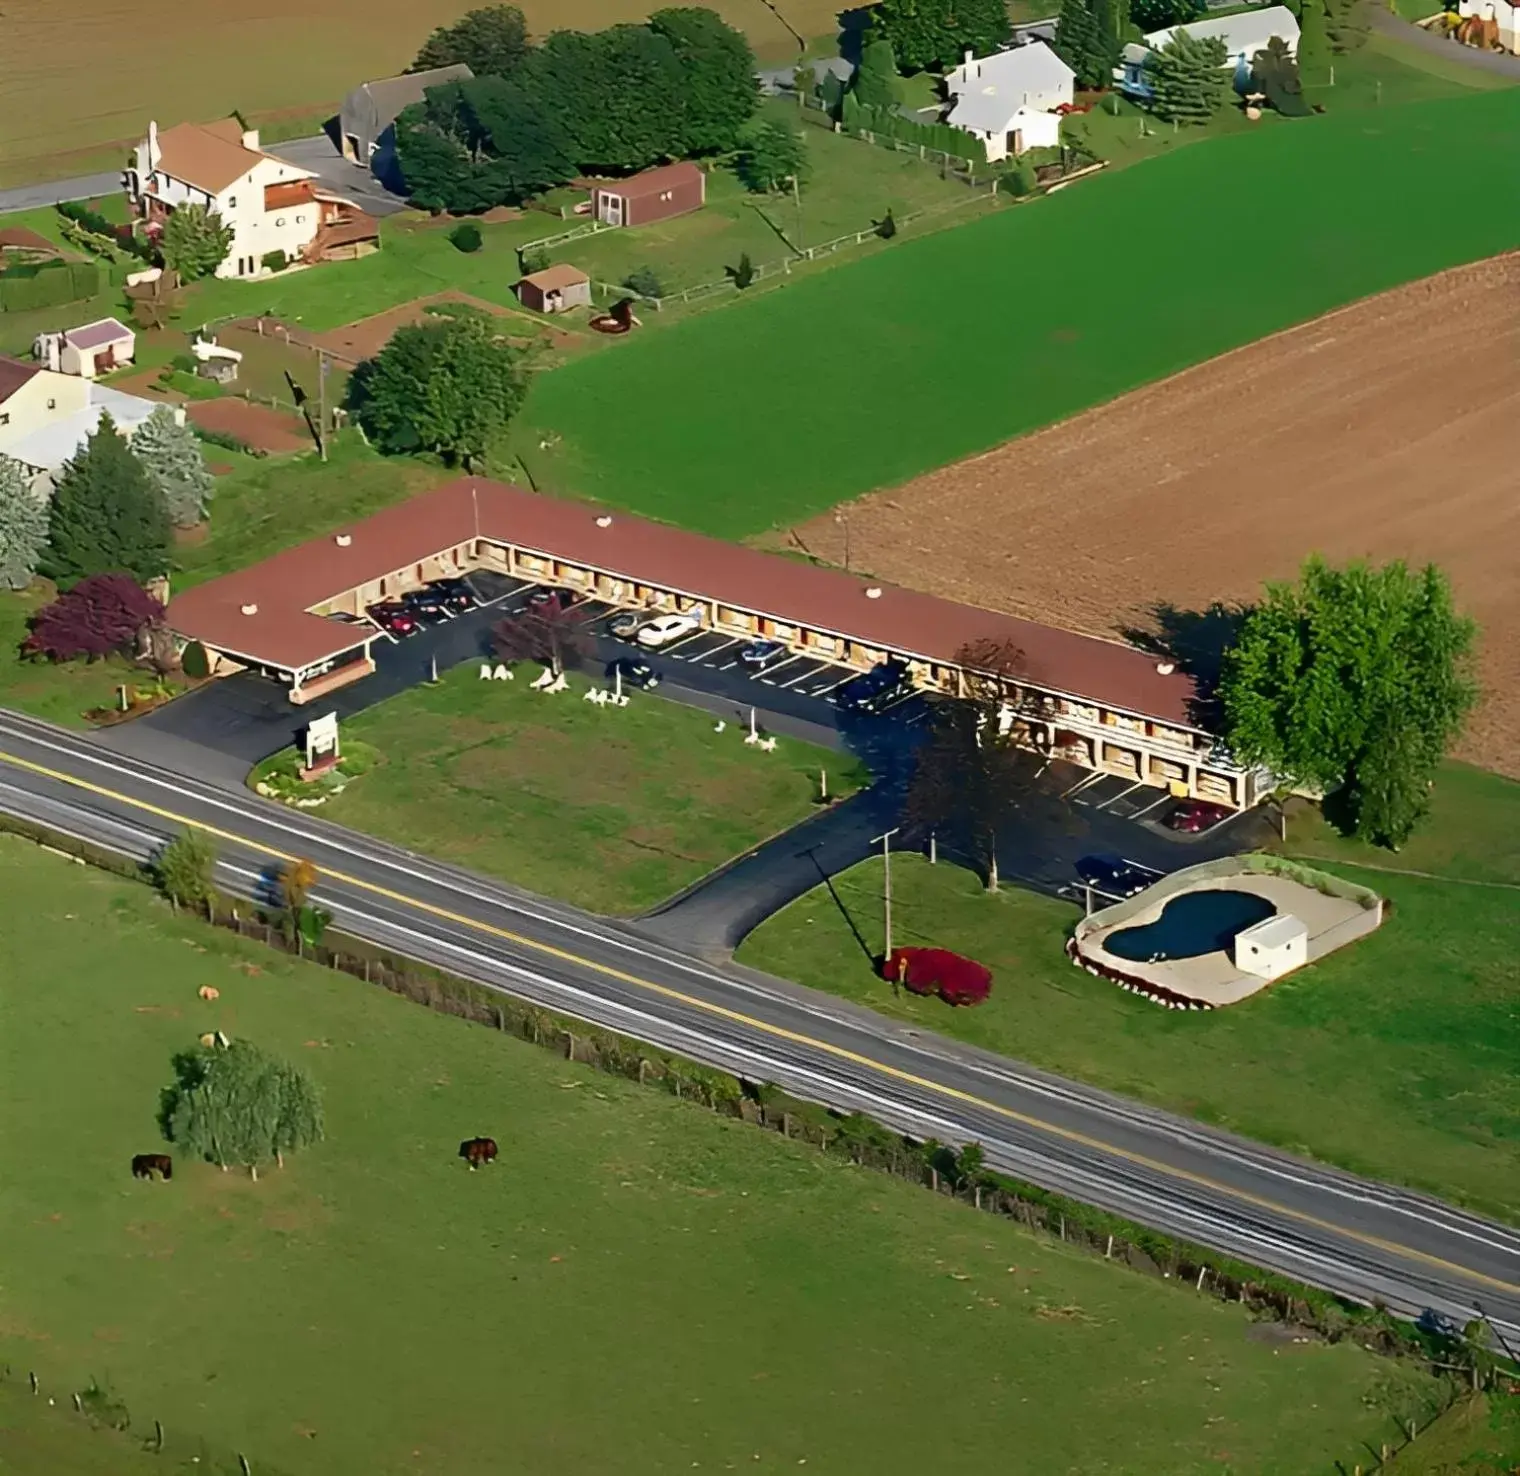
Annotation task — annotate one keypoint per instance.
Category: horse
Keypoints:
(476, 1151)
(145, 1165)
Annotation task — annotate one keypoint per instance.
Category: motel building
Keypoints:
(299, 618)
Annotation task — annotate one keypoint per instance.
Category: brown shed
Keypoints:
(554, 289)
(656, 194)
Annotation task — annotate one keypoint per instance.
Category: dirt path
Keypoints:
(257, 425)
(1390, 429)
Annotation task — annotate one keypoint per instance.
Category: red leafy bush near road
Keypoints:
(957, 980)
(101, 614)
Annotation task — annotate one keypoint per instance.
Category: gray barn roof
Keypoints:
(389, 95)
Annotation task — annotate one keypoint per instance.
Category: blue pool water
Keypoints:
(1190, 925)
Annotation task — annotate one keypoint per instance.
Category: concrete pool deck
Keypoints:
(1334, 911)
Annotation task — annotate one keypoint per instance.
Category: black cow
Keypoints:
(145, 1165)
(476, 1151)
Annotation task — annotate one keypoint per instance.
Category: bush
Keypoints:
(533, 258)
(466, 236)
(185, 363)
(274, 261)
(194, 661)
(1022, 179)
(643, 281)
(226, 440)
(101, 614)
(94, 222)
(744, 273)
(924, 971)
(886, 227)
(47, 284)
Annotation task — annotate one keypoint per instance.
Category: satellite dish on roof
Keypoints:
(343, 539)
(250, 609)
(1166, 668)
(874, 593)
(604, 521)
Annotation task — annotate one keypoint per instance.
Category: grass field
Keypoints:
(634, 1286)
(946, 345)
(1394, 1057)
(613, 809)
(233, 58)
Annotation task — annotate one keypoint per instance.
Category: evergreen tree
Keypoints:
(172, 457)
(23, 526)
(106, 513)
(1313, 42)
(719, 68)
(875, 81)
(1188, 78)
(1110, 18)
(1076, 40)
(1345, 24)
(195, 242)
(1274, 74)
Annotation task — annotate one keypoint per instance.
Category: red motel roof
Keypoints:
(280, 633)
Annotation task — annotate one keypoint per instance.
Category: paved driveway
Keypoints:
(81, 187)
(352, 181)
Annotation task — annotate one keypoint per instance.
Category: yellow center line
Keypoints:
(780, 1032)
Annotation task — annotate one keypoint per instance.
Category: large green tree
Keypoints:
(875, 81)
(771, 157)
(185, 869)
(1355, 680)
(1274, 74)
(1188, 78)
(719, 71)
(936, 34)
(106, 513)
(23, 526)
(236, 1104)
(492, 42)
(1079, 44)
(172, 457)
(195, 241)
(527, 148)
(449, 386)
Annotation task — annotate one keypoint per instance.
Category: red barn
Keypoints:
(656, 194)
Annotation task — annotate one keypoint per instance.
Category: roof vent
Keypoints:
(604, 521)
(874, 593)
(343, 539)
(1166, 668)
(250, 609)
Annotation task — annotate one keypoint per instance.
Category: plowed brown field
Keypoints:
(1389, 429)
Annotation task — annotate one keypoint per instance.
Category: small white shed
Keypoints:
(1273, 947)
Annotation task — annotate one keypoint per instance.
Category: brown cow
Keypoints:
(476, 1151)
(145, 1165)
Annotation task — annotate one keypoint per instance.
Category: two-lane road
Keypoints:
(1351, 1236)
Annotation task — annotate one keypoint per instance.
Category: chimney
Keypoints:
(155, 154)
(251, 139)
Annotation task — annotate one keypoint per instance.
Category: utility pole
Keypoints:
(322, 403)
(886, 890)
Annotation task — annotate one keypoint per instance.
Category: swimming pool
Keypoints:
(1190, 925)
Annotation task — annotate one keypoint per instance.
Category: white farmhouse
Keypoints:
(271, 205)
(1009, 100)
(1243, 36)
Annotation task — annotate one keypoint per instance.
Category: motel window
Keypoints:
(279, 220)
(52, 404)
(300, 220)
(5, 418)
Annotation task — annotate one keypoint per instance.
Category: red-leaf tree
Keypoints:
(99, 615)
(956, 979)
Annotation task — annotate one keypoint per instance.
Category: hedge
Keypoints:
(25, 288)
(119, 235)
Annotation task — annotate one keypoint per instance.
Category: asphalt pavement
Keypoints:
(1357, 1238)
(55, 192)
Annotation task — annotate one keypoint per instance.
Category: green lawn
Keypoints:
(942, 346)
(1394, 1057)
(851, 186)
(635, 1285)
(613, 809)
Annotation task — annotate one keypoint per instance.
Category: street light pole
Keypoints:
(886, 890)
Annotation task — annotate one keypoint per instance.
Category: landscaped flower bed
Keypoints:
(956, 980)
(280, 777)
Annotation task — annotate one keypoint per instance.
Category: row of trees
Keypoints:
(114, 506)
(933, 35)
(613, 101)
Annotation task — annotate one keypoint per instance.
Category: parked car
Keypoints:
(626, 625)
(1114, 876)
(760, 653)
(634, 673)
(394, 617)
(425, 605)
(561, 598)
(1193, 817)
(667, 628)
(877, 688)
(456, 594)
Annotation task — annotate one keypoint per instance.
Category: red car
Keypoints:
(1193, 817)
(393, 618)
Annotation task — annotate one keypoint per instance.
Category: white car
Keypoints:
(668, 628)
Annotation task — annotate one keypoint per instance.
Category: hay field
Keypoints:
(75, 86)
